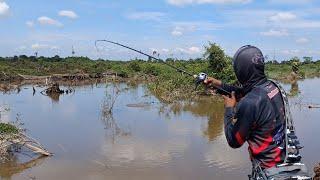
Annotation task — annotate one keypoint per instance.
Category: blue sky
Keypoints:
(174, 28)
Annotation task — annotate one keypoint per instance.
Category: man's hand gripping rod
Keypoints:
(200, 78)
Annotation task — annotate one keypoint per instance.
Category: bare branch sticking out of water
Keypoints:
(311, 106)
(13, 139)
(111, 99)
(107, 112)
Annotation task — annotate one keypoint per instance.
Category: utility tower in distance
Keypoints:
(73, 52)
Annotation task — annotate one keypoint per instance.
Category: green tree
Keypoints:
(220, 65)
(295, 62)
(307, 60)
(294, 59)
(56, 58)
(216, 57)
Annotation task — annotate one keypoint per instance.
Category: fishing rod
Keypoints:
(200, 78)
(140, 52)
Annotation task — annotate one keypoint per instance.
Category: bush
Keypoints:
(134, 65)
(151, 69)
(123, 73)
(6, 129)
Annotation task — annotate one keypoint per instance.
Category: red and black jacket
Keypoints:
(258, 119)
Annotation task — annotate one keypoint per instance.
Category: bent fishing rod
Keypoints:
(200, 78)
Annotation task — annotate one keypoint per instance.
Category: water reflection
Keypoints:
(141, 138)
(206, 107)
(294, 90)
(111, 125)
(14, 166)
(54, 97)
(146, 141)
(155, 143)
(218, 154)
(213, 110)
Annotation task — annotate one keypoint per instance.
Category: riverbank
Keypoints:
(166, 83)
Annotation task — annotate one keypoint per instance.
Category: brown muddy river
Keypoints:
(143, 139)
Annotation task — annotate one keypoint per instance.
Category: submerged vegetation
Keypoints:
(8, 129)
(166, 83)
(8, 133)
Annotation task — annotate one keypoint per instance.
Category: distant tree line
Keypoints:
(305, 60)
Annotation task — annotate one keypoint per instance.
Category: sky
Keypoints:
(174, 28)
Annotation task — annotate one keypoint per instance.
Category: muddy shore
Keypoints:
(15, 83)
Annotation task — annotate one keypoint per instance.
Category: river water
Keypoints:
(142, 139)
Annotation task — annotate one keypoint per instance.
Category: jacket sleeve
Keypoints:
(237, 124)
(230, 88)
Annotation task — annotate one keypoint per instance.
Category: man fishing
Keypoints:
(257, 115)
(258, 112)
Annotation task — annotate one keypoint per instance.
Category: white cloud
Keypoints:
(191, 50)
(266, 18)
(38, 46)
(239, 18)
(186, 2)
(30, 23)
(22, 48)
(177, 32)
(68, 14)
(313, 52)
(153, 16)
(283, 16)
(44, 20)
(160, 51)
(290, 2)
(303, 24)
(275, 33)
(194, 50)
(55, 48)
(180, 28)
(165, 50)
(302, 40)
(53, 37)
(290, 20)
(197, 25)
(4, 9)
(292, 52)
